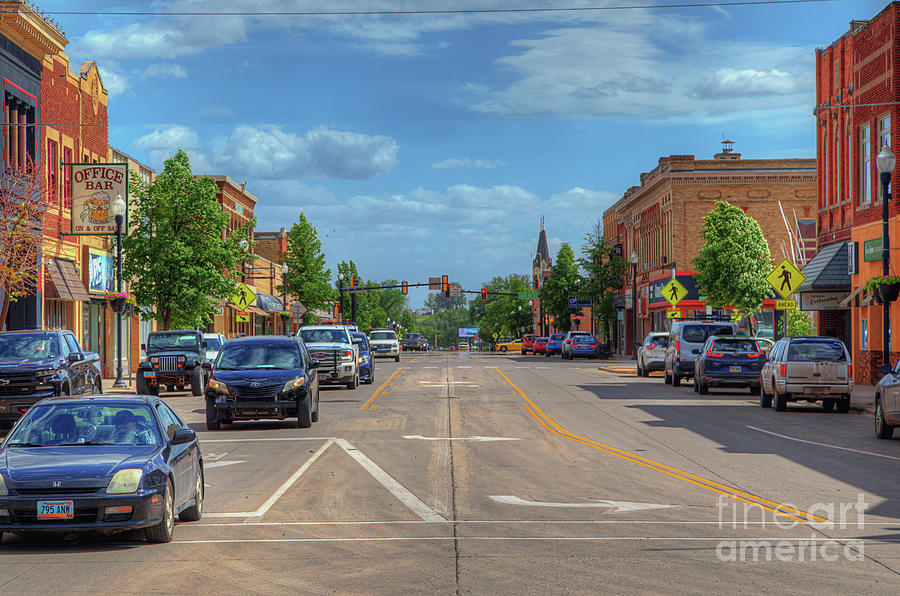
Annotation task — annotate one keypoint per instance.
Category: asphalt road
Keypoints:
(487, 474)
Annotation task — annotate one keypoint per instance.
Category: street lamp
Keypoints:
(117, 208)
(341, 294)
(284, 270)
(885, 162)
(634, 262)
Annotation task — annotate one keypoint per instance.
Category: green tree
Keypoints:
(308, 279)
(177, 256)
(437, 303)
(734, 260)
(564, 282)
(799, 323)
(502, 315)
(604, 272)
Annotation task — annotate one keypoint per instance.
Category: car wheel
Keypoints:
(141, 384)
(753, 390)
(397, 358)
(765, 399)
(676, 380)
(165, 529)
(668, 377)
(695, 388)
(503, 349)
(315, 413)
(195, 511)
(828, 404)
(523, 352)
(98, 386)
(843, 404)
(883, 430)
(180, 387)
(197, 381)
(640, 371)
(212, 416)
(304, 412)
(171, 388)
(354, 383)
(702, 386)
(780, 400)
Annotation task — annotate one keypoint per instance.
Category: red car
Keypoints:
(528, 343)
(540, 345)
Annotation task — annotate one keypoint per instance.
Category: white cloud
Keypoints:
(166, 139)
(455, 163)
(165, 69)
(733, 83)
(114, 81)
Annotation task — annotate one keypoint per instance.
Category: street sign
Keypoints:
(297, 309)
(673, 314)
(244, 297)
(785, 305)
(736, 316)
(529, 295)
(434, 283)
(242, 317)
(354, 290)
(785, 278)
(455, 291)
(576, 303)
(674, 292)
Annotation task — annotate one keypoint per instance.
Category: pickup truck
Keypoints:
(175, 360)
(39, 364)
(336, 351)
(413, 341)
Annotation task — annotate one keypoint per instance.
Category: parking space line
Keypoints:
(773, 539)
(380, 389)
(768, 432)
(258, 440)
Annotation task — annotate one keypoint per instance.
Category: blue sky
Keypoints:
(432, 144)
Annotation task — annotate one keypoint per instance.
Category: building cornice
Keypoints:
(29, 30)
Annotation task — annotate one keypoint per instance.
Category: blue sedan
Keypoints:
(366, 358)
(728, 362)
(100, 464)
(554, 344)
(584, 345)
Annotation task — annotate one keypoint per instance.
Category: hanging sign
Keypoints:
(94, 187)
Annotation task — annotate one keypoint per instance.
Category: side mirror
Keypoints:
(357, 340)
(314, 363)
(144, 347)
(885, 369)
(637, 344)
(183, 435)
(75, 357)
(145, 366)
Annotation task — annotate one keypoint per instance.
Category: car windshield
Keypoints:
(557, 337)
(28, 347)
(315, 336)
(735, 345)
(582, 339)
(213, 343)
(362, 336)
(661, 341)
(256, 354)
(382, 335)
(57, 424)
(697, 334)
(412, 336)
(816, 351)
(160, 342)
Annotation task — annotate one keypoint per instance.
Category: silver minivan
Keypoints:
(686, 339)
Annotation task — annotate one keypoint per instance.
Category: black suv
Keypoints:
(175, 360)
(414, 341)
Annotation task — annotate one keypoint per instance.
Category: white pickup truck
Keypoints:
(336, 351)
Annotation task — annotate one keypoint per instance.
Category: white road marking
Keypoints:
(274, 439)
(476, 438)
(619, 505)
(431, 367)
(221, 464)
(463, 367)
(546, 538)
(523, 367)
(545, 367)
(768, 432)
(281, 489)
(213, 456)
(504, 522)
(387, 481)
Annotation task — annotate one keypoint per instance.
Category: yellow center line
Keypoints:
(380, 389)
(778, 508)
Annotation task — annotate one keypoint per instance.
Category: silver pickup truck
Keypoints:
(807, 369)
(336, 352)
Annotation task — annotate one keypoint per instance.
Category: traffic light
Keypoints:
(445, 285)
(404, 287)
(447, 291)
(352, 281)
(483, 294)
(337, 311)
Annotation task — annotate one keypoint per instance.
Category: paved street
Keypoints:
(479, 474)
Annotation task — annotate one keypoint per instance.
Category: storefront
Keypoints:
(63, 294)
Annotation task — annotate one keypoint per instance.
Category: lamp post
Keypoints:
(885, 162)
(634, 262)
(341, 298)
(117, 208)
(284, 270)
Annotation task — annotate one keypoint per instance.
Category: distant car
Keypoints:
(651, 354)
(528, 343)
(584, 345)
(765, 344)
(807, 369)
(554, 344)
(336, 353)
(413, 342)
(100, 464)
(540, 345)
(728, 362)
(463, 345)
(567, 341)
(385, 344)
(214, 343)
(887, 402)
(366, 358)
(510, 346)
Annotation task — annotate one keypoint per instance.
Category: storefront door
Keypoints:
(95, 328)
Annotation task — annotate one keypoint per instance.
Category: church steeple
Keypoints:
(542, 255)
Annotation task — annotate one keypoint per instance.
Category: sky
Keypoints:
(432, 144)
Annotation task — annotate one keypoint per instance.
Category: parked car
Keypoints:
(100, 464)
(528, 343)
(686, 338)
(263, 376)
(175, 360)
(510, 346)
(728, 362)
(463, 346)
(554, 344)
(583, 345)
(385, 344)
(807, 369)
(540, 345)
(336, 353)
(366, 359)
(413, 342)
(652, 353)
(39, 364)
(887, 402)
(214, 343)
(567, 341)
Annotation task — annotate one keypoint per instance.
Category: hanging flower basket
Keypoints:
(884, 289)
(121, 302)
(285, 314)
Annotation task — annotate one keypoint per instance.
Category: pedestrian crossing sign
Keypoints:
(242, 317)
(785, 278)
(674, 292)
(673, 314)
(244, 297)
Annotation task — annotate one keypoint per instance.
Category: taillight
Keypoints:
(849, 371)
(757, 355)
(652, 346)
(782, 370)
(678, 347)
(712, 354)
(593, 345)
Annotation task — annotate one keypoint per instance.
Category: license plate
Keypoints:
(734, 369)
(323, 377)
(55, 510)
(814, 390)
(150, 374)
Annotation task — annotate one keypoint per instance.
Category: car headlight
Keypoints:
(3, 490)
(294, 383)
(361, 359)
(347, 355)
(218, 386)
(125, 481)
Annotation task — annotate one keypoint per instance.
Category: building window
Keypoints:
(67, 178)
(884, 138)
(52, 177)
(864, 334)
(837, 164)
(827, 176)
(849, 130)
(20, 140)
(865, 166)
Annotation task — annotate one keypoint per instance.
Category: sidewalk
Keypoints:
(129, 386)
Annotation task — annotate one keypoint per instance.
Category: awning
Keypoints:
(852, 299)
(250, 309)
(65, 282)
(269, 303)
(827, 271)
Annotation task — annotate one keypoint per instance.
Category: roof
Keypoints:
(106, 399)
(827, 271)
(267, 338)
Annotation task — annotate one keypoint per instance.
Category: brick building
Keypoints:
(662, 219)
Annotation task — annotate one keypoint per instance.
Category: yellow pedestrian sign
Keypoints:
(244, 297)
(785, 305)
(674, 292)
(242, 317)
(785, 278)
(673, 314)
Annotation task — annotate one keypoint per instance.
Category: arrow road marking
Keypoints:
(619, 505)
(476, 438)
